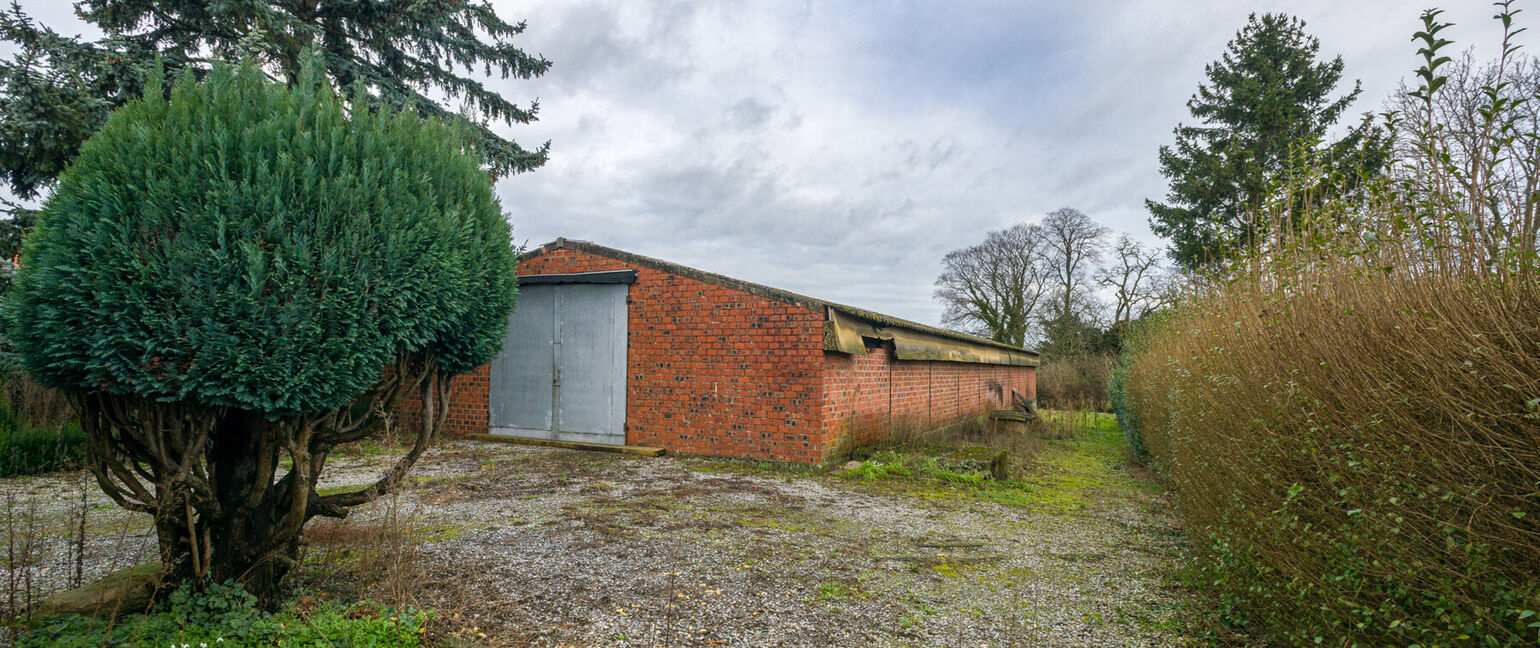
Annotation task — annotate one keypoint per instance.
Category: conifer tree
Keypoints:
(1266, 97)
(57, 90)
(232, 280)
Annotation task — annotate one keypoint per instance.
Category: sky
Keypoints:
(840, 150)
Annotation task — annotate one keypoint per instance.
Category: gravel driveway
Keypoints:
(516, 545)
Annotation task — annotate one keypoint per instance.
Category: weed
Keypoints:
(828, 591)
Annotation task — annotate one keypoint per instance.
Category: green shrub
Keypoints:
(250, 245)
(227, 616)
(26, 450)
(29, 449)
(241, 270)
(1123, 408)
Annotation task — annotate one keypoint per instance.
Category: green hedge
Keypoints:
(1123, 407)
(28, 450)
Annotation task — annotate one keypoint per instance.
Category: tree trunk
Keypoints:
(208, 475)
(243, 458)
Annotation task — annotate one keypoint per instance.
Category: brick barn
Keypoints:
(614, 348)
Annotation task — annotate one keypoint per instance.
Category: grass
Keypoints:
(1085, 457)
(830, 591)
(224, 615)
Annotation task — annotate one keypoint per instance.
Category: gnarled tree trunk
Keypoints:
(225, 505)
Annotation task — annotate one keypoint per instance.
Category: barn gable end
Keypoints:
(719, 366)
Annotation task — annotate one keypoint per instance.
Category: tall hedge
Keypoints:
(1356, 452)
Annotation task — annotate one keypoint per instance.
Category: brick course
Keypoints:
(869, 396)
(467, 404)
(719, 371)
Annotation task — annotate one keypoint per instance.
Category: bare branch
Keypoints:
(994, 288)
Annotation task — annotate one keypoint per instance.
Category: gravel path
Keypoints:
(514, 545)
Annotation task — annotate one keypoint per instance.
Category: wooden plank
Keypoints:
(1010, 415)
(644, 451)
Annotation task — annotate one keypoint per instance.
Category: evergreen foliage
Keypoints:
(1266, 105)
(245, 246)
(237, 276)
(57, 90)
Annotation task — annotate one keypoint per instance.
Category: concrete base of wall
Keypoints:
(571, 445)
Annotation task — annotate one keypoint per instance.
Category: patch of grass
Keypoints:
(889, 464)
(830, 591)
(1026, 496)
(974, 479)
(1082, 464)
(1060, 479)
(883, 465)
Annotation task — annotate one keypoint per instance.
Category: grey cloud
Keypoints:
(840, 149)
(748, 114)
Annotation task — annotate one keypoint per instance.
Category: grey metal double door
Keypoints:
(562, 372)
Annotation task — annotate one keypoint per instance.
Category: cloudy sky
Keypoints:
(841, 149)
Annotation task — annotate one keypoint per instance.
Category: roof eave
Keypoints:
(777, 294)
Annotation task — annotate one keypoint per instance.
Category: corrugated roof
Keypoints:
(766, 291)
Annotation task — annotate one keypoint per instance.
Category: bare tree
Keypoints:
(1133, 275)
(1480, 131)
(1074, 246)
(995, 288)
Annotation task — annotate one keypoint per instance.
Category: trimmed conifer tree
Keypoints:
(236, 277)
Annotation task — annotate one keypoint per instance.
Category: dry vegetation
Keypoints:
(40, 406)
(1351, 419)
(1076, 382)
(1359, 449)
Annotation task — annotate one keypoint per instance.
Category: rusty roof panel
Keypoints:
(908, 344)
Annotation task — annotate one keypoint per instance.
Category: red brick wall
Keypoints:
(714, 370)
(467, 404)
(871, 394)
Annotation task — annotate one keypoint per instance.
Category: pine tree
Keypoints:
(57, 90)
(1267, 96)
